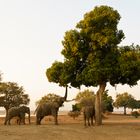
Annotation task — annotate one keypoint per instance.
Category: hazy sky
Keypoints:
(31, 32)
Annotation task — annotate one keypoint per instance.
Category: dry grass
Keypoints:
(115, 127)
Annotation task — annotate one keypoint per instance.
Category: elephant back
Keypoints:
(13, 111)
(24, 109)
(89, 110)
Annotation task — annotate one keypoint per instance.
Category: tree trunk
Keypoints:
(98, 104)
(124, 110)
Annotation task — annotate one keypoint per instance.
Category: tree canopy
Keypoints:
(85, 98)
(92, 56)
(12, 95)
(48, 98)
(124, 100)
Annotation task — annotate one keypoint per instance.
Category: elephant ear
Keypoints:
(60, 101)
(56, 104)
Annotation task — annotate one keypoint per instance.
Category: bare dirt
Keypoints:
(115, 127)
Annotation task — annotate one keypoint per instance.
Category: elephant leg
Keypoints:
(88, 121)
(55, 120)
(38, 120)
(92, 121)
(23, 119)
(84, 119)
(41, 119)
(20, 120)
(5, 121)
(9, 121)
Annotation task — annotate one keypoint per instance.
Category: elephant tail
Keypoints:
(36, 109)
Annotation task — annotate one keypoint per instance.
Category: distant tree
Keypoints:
(75, 112)
(86, 97)
(11, 95)
(76, 107)
(123, 100)
(134, 104)
(48, 98)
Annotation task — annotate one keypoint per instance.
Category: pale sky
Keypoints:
(31, 32)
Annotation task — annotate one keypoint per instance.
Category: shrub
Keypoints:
(74, 114)
(135, 114)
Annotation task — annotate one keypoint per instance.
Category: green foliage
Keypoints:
(107, 102)
(74, 114)
(12, 95)
(134, 104)
(76, 107)
(135, 114)
(48, 98)
(129, 61)
(92, 56)
(124, 100)
(93, 46)
(86, 98)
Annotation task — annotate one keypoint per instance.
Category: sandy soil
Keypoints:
(116, 127)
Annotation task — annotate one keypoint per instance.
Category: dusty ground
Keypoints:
(115, 127)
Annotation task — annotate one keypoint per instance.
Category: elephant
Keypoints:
(89, 114)
(17, 112)
(49, 108)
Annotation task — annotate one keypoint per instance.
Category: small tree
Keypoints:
(107, 103)
(75, 111)
(76, 107)
(123, 100)
(48, 98)
(12, 95)
(134, 104)
(86, 98)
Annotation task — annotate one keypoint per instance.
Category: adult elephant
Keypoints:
(17, 112)
(89, 114)
(50, 108)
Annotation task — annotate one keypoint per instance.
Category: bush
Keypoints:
(74, 114)
(135, 114)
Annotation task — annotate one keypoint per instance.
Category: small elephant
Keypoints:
(49, 108)
(89, 114)
(17, 112)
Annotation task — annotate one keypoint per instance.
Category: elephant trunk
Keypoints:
(66, 93)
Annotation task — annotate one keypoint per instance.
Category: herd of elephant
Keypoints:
(45, 109)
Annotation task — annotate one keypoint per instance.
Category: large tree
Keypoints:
(93, 57)
(12, 95)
